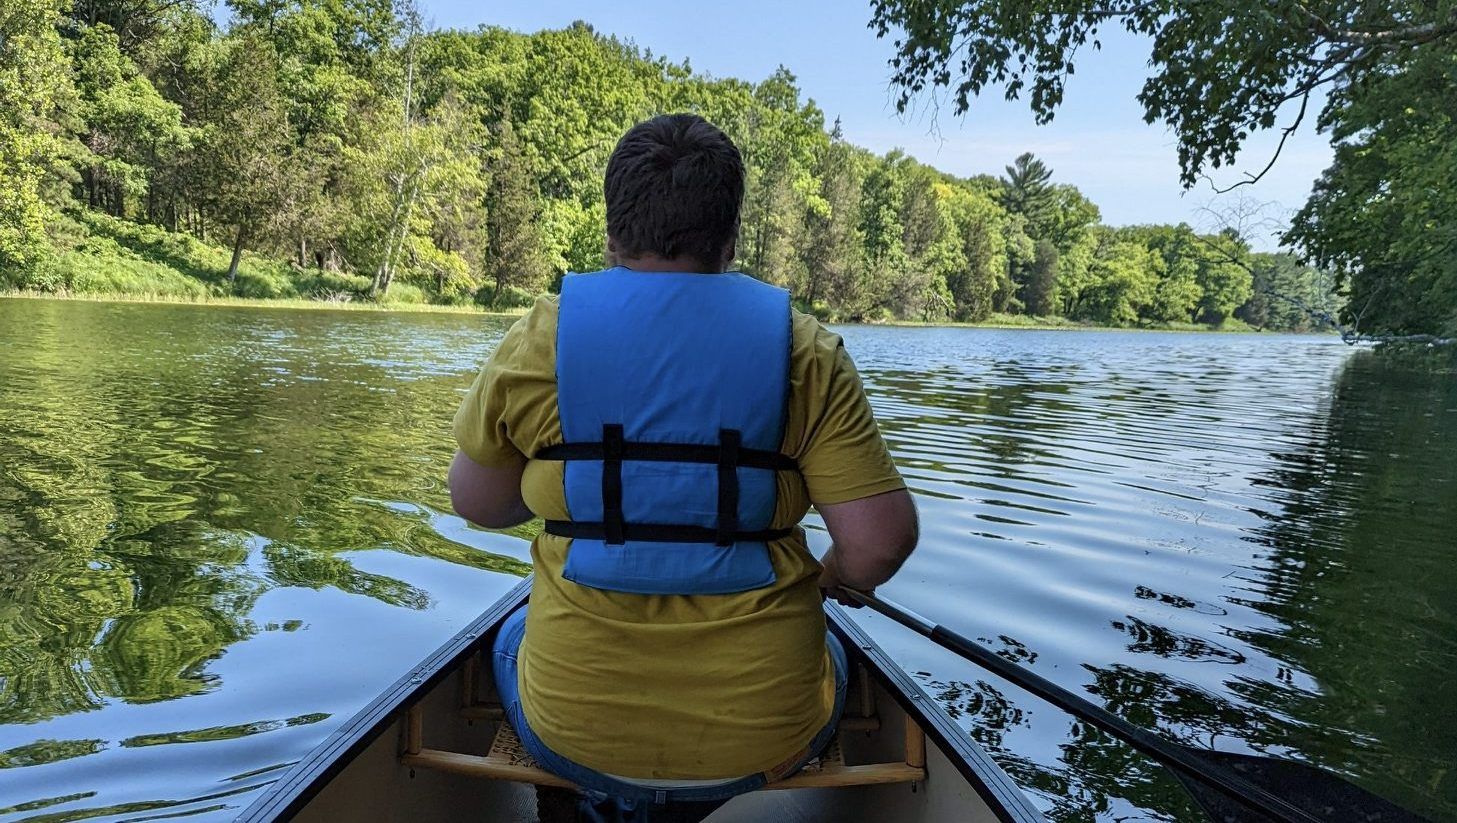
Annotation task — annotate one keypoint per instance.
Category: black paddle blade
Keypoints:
(1317, 792)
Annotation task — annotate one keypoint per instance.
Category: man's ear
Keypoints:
(729, 253)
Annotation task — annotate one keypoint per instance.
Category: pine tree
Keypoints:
(1027, 190)
(515, 254)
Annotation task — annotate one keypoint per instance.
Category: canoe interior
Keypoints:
(356, 774)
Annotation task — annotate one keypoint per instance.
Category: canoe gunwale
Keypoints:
(306, 778)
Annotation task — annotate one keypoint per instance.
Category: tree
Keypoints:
(1383, 217)
(514, 254)
(1074, 273)
(1026, 190)
(34, 92)
(1124, 279)
(1072, 216)
(136, 23)
(1180, 257)
(832, 245)
(784, 138)
(1042, 282)
(246, 146)
(1223, 277)
(882, 197)
(982, 228)
(1286, 295)
(130, 132)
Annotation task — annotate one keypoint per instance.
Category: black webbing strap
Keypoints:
(669, 453)
(728, 456)
(728, 486)
(612, 525)
(656, 533)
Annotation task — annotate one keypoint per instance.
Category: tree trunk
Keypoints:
(237, 256)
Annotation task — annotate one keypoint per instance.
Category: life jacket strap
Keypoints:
(728, 486)
(659, 533)
(669, 453)
(613, 449)
(612, 520)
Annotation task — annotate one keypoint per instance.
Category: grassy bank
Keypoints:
(103, 258)
(310, 304)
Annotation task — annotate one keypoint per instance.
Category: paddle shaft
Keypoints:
(1170, 754)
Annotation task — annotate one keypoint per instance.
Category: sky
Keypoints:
(1097, 141)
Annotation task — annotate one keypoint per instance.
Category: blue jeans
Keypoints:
(503, 665)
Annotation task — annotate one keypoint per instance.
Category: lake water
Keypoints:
(224, 530)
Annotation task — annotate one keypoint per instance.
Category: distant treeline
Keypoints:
(381, 160)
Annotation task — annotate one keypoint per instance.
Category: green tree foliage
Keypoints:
(1223, 276)
(381, 160)
(1383, 217)
(1287, 295)
(981, 227)
(1125, 282)
(131, 130)
(1027, 190)
(515, 255)
(247, 146)
(833, 246)
(1042, 279)
(34, 92)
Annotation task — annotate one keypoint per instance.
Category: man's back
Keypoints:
(690, 686)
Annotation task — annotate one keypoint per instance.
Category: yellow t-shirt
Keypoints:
(680, 687)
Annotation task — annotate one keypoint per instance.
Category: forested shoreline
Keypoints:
(336, 150)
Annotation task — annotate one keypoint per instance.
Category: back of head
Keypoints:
(674, 188)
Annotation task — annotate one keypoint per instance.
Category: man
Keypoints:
(672, 423)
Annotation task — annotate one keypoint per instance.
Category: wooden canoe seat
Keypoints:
(508, 760)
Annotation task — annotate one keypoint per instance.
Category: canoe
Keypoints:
(433, 747)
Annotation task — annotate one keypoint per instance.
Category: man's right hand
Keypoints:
(832, 588)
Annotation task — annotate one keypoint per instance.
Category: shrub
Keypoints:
(511, 297)
(403, 294)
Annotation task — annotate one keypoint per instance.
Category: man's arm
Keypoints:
(872, 537)
(486, 495)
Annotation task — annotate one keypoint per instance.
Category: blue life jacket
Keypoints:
(672, 391)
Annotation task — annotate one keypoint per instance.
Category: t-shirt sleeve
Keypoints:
(844, 456)
(494, 425)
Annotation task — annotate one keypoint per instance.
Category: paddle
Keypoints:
(1230, 787)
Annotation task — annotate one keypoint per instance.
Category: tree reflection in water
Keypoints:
(1352, 671)
(154, 487)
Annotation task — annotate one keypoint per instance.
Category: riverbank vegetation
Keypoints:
(338, 151)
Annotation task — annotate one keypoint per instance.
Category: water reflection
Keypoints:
(1247, 548)
(161, 471)
(223, 531)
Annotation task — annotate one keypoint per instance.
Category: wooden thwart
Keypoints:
(508, 760)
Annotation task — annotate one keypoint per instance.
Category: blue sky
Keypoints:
(1098, 140)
